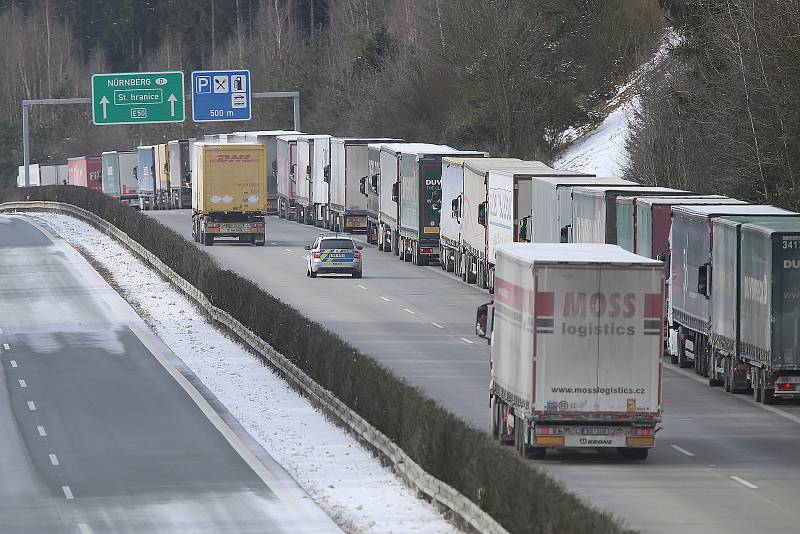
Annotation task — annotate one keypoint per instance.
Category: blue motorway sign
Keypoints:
(221, 95)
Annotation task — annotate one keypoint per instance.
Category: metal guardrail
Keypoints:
(465, 512)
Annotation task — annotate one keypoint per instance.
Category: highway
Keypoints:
(722, 463)
(104, 429)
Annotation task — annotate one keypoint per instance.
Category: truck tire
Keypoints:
(713, 381)
(727, 376)
(357, 274)
(537, 453)
(756, 381)
(634, 453)
(471, 275)
(768, 397)
(208, 239)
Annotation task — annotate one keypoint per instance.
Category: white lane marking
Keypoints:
(54, 460)
(272, 243)
(437, 325)
(744, 483)
(287, 249)
(747, 399)
(359, 285)
(412, 312)
(6, 346)
(682, 450)
(31, 406)
(84, 528)
(42, 433)
(67, 492)
(13, 363)
(387, 300)
(465, 340)
(22, 384)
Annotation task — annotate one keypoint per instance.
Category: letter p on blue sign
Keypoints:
(203, 84)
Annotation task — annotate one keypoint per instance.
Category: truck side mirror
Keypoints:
(454, 207)
(482, 213)
(136, 172)
(292, 175)
(395, 191)
(375, 183)
(565, 233)
(326, 174)
(274, 166)
(703, 279)
(308, 172)
(484, 320)
(662, 256)
(362, 185)
(523, 229)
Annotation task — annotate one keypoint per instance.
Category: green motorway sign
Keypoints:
(137, 97)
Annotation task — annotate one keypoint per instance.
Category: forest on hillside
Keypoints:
(722, 114)
(501, 75)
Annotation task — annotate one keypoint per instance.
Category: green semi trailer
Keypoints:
(754, 288)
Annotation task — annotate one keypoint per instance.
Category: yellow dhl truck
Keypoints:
(229, 192)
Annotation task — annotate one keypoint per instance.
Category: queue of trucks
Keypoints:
(595, 279)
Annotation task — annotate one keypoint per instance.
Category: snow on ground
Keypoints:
(601, 151)
(341, 476)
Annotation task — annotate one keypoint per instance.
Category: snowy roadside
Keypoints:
(602, 150)
(338, 474)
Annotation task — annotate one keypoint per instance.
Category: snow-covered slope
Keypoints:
(601, 150)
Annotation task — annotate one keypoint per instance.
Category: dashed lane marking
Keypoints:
(67, 492)
(41, 430)
(437, 325)
(272, 243)
(13, 363)
(54, 460)
(412, 312)
(31, 406)
(22, 384)
(743, 482)
(465, 340)
(387, 300)
(359, 285)
(287, 249)
(84, 528)
(6, 346)
(682, 450)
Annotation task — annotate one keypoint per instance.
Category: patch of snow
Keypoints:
(329, 464)
(602, 150)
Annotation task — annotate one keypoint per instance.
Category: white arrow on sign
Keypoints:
(172, 101)
(104, 102)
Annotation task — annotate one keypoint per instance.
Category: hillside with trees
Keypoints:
(501, 75)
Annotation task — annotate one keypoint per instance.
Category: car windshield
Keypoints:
(336, 243)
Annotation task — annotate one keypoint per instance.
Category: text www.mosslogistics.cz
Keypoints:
(618, 390)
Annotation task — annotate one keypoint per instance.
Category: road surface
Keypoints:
(722, 464)
(104, 429)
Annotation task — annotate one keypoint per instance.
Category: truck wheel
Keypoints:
(471, 275)
(208, 239)
(769, 396)
(357, 274)
(755, 380)
(727, 375)
(259, 243)
(634, 453)
(311, 273)
(537, 453)
(713, 381)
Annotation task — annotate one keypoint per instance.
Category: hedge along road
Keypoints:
(418, 322)
(104, 429)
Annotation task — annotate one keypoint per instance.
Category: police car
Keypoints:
(334, 254)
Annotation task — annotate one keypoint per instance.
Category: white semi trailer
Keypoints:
(576, 348)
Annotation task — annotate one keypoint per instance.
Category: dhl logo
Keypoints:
(234, 158)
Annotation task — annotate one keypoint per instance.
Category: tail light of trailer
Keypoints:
(358, 254)
(785, 387)
(551, 436)
(549, 431)
(213, 225)
(636, 431)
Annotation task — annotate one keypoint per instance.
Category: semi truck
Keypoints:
(146, 176)
(286, 160)
(594, 210)
(34, 175)
(313, 156)
(755, 306)
(451, 218)
(119, 178)
(162, 180)
(229, 193)
(552, 204)
(268, 138)
(509, 210)
(576, 348)
(86, 171)
(180, 173)
(691, 241)
(349, 163)
(370, 188)
(48, 175)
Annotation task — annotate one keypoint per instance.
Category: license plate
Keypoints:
(233, 228)
(594, 431)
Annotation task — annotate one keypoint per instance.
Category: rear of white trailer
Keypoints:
(576, 348)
